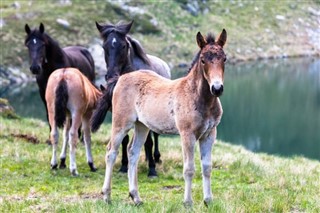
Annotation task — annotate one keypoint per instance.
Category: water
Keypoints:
(269, 106)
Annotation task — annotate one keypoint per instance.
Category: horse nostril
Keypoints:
(217, 89)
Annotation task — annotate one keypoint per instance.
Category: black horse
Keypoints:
(46, 56)
(124, 54)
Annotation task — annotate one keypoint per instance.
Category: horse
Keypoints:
(70, 96)
(123, 54)
(188, 106)
(46, 56)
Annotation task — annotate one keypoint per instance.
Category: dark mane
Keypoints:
(194, 61)
(210, 38)
(138, 50)
(109, 28)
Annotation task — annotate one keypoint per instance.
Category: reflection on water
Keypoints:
(269, 106)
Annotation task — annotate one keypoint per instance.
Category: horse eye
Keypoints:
(225, 59)
(202, 61)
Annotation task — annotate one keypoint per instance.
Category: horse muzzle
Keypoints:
(216, 89)
(35, 69)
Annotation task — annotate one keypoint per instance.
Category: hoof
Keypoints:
(158, 161)
(62, 163)
(152, 173)
(54, 167)
(207, 201)
(106, 197)
(188, 204)
(92, 167)
(134, 196)
(74, 173)
(123, 169)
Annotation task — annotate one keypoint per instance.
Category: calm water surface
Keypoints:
(269, 106)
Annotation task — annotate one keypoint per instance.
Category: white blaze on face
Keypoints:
(113, 41)
(34, 41)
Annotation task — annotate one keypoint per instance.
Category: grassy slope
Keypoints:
(241, 180)
(253, 30)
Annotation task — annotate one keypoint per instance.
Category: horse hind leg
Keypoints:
(87, 141)
(63, 154)
(73, 138)
(156, 153)
(54, 138)
(140, 135)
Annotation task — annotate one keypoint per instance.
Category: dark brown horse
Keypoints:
(124, 54)
(188, 106)
(46, 56)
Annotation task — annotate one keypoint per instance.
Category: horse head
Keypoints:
(211, 60)
(116, 47)
(36, 44)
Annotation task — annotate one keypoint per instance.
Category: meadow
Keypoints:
(242, 181)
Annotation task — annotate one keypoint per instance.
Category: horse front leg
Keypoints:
(117, 136)
(65, 144)
(124, 160)
(151, 163)
(139, 137)
(188, 141)
(206, 165)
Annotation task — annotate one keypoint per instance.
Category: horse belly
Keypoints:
(157, 116)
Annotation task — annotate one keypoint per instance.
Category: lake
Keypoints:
(269, 106)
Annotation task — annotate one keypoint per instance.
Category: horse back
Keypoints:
(79, 57)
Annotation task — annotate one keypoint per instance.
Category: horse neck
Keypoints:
(55, 56)
(198, 83)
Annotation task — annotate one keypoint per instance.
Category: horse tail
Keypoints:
(60, 104)
(103, 105)
(88, 56)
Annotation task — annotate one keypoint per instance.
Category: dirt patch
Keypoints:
(171, 187)
(28, 138)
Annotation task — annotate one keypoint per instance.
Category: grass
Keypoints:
(242, 181)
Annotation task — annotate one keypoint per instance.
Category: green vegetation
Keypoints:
(241, 180)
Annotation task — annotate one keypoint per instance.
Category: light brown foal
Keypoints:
(188, 106)
(71, 98)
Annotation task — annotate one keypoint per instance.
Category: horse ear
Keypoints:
(102, 88)
(127, 27)
(200, 40)
(27, 29)
(99, 27)
(222, 38)
(41, 28)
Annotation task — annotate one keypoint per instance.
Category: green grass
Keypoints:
(242, 181)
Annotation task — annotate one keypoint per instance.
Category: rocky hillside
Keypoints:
(256, 29)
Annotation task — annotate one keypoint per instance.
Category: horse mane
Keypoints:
(210, 40)
(138, 50)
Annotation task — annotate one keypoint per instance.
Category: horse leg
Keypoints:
(140, 135)
(148, 148)
(124, 160)
(188, 142)
(64, 145)
(156, 153)
(73, 138)
(117, 136)
(206, 165)
(54, 138)
(87, 141)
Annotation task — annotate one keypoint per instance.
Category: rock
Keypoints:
(280, 17)
(6, 110)
(64, 23)
(2, 23)
(313, 11)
